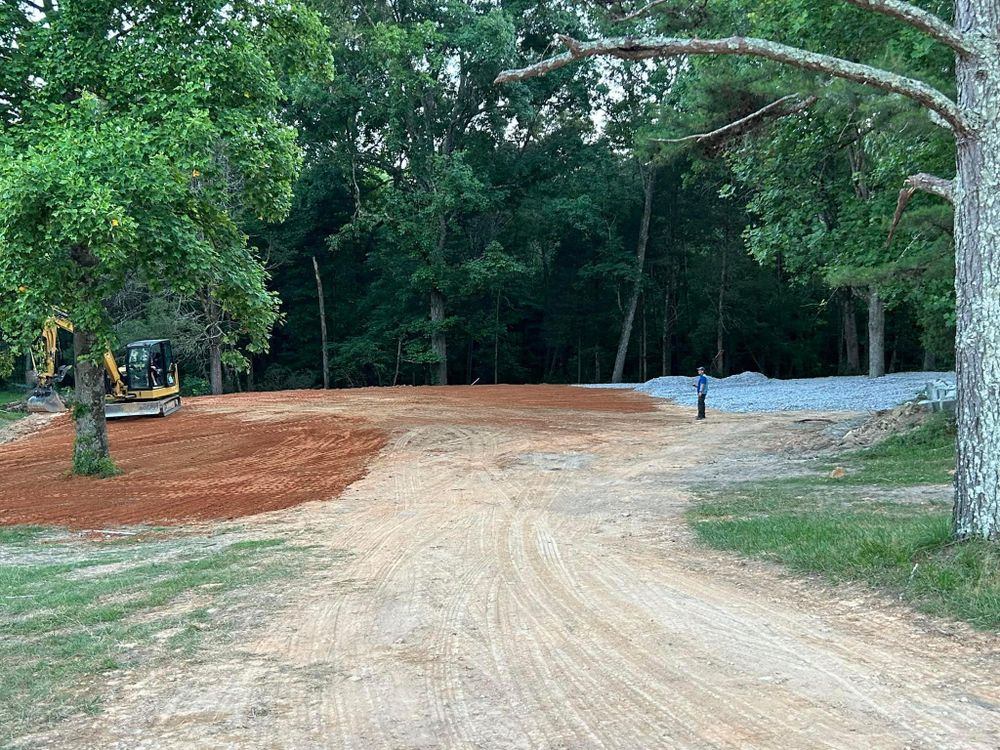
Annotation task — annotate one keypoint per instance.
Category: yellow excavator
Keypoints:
(146, 385)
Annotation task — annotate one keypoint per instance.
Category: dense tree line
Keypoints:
(354, 192)
(467, 232)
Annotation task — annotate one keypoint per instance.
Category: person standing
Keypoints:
(702, 386)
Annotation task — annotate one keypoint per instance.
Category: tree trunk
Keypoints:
(322, 325)
(666, 352)
(213, 332)
(439, 345)
(851, 334)
(579, 359)
(929, 361)
(399, 357)
(90, 448)
(597, 364)
(215, 364)
(876, 334)
(977, 281)
(644, 352)
(496, 342)
(648, 181)
(720, 326)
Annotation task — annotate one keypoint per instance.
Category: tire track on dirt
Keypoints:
(518, 577)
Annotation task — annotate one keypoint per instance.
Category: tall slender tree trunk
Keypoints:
(439, 345)
(213, 332)
(666, 351)
(876, 334)
(496, 341)
(643, 353)
(597, 364)
(851, 347)
(977, 279)
(322, 325)
(720, 325)
(579, 359)
(930, 361)
(648, 183)
(399, 358)
(90, 448)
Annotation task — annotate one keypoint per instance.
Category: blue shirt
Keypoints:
(702, 384)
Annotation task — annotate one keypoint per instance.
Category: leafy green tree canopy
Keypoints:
(126, 131)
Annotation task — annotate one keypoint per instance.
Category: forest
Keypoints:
(616, 220)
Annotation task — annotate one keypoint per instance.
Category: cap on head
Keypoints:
(701, 369)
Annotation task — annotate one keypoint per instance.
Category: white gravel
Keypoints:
(754, 392)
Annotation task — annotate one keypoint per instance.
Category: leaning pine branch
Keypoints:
(920, 19)
(647, 48)
(922, 182)
(738, 127)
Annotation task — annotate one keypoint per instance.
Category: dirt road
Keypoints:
(513, 572)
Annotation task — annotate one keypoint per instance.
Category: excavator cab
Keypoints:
(149, 365)
(149, 377)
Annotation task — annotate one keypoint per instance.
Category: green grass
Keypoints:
(925, 455)
(862, 529)
(8, 397)
(71, 612)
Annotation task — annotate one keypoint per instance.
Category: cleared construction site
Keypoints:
(502, 567)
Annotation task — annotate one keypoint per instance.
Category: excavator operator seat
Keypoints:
(149, 365)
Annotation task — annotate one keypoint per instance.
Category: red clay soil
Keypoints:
(188, 466)
(514, 397)
(230, 456)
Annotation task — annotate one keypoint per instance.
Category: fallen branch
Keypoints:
(773, 110)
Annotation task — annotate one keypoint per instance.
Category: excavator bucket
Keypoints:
(45, 402)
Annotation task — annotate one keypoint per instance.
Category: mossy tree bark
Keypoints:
(91, 454)
(977, 278)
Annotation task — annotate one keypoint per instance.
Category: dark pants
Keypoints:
(701, 406)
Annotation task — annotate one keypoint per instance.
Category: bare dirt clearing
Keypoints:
(518, 576)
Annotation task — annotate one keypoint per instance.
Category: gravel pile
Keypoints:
(754, 392)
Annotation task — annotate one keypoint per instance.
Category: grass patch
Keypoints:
(70, 612)
(7, 398)
(925, 455)
(852, 529)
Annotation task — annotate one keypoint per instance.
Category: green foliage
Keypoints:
(122, 160)
(518, 204)
(192, 385)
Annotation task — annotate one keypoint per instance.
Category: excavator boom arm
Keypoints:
(48, 374)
